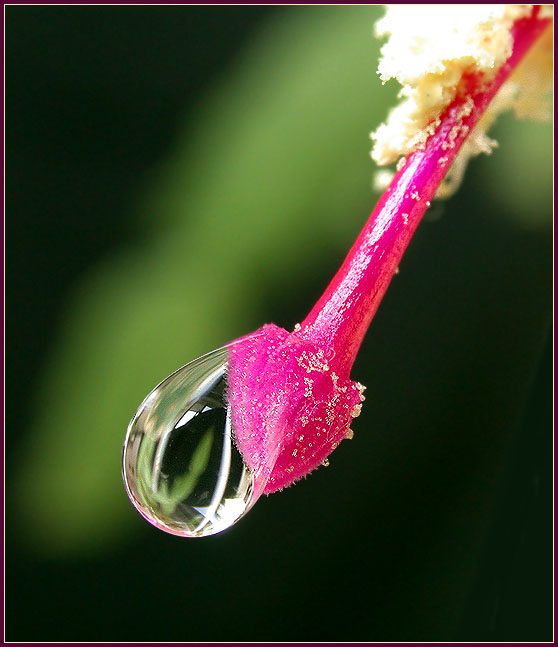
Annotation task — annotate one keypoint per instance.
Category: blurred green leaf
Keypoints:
(518, 177)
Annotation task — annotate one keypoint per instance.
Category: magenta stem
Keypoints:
(341, 317)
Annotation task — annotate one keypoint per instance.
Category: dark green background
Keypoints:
(435, 522)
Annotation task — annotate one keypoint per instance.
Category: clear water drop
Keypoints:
(180, 466)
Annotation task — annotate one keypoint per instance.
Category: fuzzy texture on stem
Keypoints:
(291, 397)
(290, 407)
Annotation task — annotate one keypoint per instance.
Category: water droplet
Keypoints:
(181, 468)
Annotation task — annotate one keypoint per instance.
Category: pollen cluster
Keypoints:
(431, 50)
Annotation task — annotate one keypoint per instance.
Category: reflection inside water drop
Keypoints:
(181, 468)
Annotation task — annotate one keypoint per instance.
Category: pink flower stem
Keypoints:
(340, 318)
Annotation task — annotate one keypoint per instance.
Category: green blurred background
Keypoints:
(178, 176)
